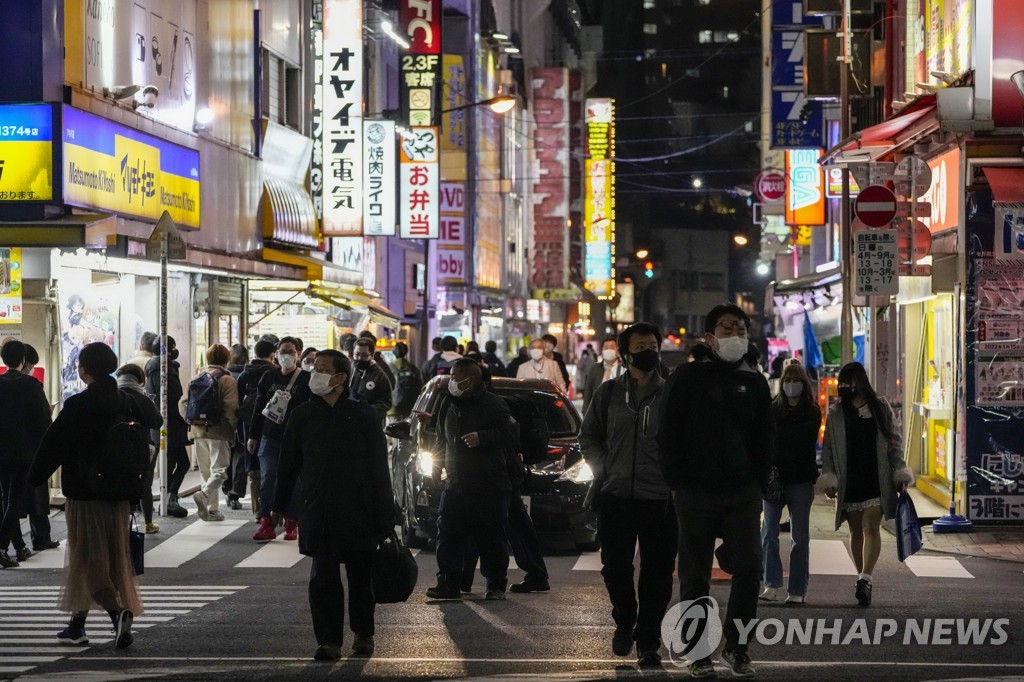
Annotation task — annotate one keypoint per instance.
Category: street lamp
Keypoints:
(500, 104)
(763, 269)
(741, 240)
(642, 253)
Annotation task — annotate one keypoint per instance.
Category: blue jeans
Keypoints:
(798, 498)
(269, 454)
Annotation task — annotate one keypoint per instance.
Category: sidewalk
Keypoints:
(990, 542)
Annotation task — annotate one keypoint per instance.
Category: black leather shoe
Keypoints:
(175, 509)
(863, 592)
(49, 544)
(235, 503)
(23, 554)
(622, 641)
(7, 562)
(527, 586)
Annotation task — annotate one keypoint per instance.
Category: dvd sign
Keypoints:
(770, 186)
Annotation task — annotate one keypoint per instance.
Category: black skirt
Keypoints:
(861, 458)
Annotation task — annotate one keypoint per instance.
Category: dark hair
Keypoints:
(272, 338)
(306, 352)
(638, 328)
(550, 338)
(435, 344)
(364, 342)
(855, 372)
(720, 311)
(491, 347)
(401, 350)
(239, 354)
(471, 367)
(264, 349)
(146, 342)
(794, 371)
(134, 370)
(342, 365)
(217, 354)
(367, 334)
(97, 360)
(171, 344)
(292, 340)
(31, 355)
(449, 343)
(613, 340)
(472, 347)
(13, 353)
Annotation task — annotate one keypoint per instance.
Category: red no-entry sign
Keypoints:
(875, 206)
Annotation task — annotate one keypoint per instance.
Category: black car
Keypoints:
(554, 489)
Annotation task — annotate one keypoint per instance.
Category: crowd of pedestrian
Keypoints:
(682, 465)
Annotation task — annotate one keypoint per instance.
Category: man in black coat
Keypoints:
(335, 442)
(248, 383)
(26, 416)
(476, 431)
(178, 463)
(368, 380)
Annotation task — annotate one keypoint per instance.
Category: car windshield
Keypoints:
(562, 418)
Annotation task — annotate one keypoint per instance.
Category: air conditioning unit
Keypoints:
(956, 108)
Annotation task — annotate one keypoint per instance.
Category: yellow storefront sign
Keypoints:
(26, 152)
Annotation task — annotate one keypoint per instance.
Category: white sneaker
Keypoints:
(770, 594)
(202, 502)
(795, 599)
(215, 515)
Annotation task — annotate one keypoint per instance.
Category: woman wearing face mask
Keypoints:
(306, 362)
(862, 468)
(797, 422)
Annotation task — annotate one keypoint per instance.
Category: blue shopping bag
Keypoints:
(908, 528)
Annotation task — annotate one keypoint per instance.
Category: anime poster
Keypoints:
(88, 313)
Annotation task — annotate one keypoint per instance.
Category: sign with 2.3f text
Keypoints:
(876, 259)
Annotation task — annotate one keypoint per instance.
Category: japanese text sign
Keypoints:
(876, 262)
(379, 168)
(420, 177)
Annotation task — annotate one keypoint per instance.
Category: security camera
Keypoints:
(149, 95)
(1018, 81)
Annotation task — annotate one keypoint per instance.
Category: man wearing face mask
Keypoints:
(335, 444)
(368, 380)
(278, 393)
(539, 366)
(178, 463)
(474, 431)
(633, 501)
(609, 368)
(716, 442)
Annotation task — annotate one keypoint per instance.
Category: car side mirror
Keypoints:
(399, 430)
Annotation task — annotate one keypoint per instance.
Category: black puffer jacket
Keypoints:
(26, 416)
(796, 438)
(483, 469)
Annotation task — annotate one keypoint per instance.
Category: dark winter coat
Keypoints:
(372, 385)
(341, 454)
(408, 382)
(80, 430)
(24, 418)
(483, 469)
(716, 425)
(177, 428)
(796, 440)
(247, 383)
(269, 383)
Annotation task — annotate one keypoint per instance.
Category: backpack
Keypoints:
(534, 432)
(408, 382)
(120, 469)
(204, 408)
(444, 367)
(247, 402)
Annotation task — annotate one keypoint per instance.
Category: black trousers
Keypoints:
(13, 491)
(621, 524)
(327, 596)
(522, 536)
(238, 473)
(177, 466)
(481, 518)
(736, 518)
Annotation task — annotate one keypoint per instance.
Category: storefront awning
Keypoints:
(71, 231)
(317, 269)
(1007, 185)
(379, 314)
(287, 214)
(917, 119)
(808, 282)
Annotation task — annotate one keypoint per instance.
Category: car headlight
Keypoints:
(425, 463)
(580, 472)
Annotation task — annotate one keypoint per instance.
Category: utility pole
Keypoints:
(845, 236)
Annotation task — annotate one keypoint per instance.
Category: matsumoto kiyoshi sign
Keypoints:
(115, 168)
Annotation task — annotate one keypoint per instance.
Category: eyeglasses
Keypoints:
(738, 325)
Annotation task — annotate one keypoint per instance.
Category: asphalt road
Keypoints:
(235, 611)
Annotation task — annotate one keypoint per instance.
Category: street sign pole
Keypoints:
(164, 249)
(846, 253)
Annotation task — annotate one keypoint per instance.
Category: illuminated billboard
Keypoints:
(599, 198)
(26, 152)
(805, 188)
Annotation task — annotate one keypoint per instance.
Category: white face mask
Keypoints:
(732, 348)
(792, 389)
(287, 362)
(609, 354)
(307, 366)
(536, 353)
(453, 388)
(320, 383)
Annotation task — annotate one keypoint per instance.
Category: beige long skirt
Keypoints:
(98, 571)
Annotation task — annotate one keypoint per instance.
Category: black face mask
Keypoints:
(362, 364)
(645, 360)
(847, 392)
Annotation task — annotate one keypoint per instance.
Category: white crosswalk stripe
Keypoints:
(189, 543)
(30, 620)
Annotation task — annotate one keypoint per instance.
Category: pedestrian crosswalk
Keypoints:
(176, 546)
(30, 620)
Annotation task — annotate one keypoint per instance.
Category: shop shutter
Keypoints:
(229, 295)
